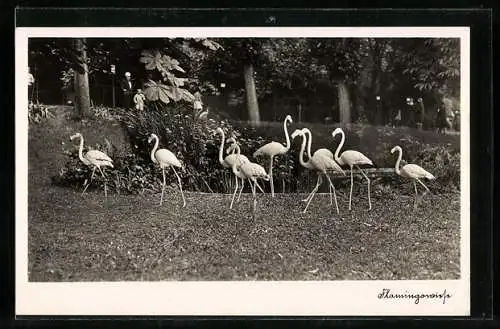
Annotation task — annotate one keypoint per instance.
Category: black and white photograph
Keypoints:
(282, 167)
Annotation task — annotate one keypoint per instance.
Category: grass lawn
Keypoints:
(90, 238)
(133, 238)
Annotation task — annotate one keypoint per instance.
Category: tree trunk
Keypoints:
(344, 103)
(252, 103)
(82, 92)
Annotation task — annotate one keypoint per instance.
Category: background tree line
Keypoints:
(315, 79)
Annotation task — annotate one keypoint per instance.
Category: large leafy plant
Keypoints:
(170, 88)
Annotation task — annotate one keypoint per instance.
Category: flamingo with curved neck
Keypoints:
(273, 149)
(319, 163)
(412, 171)
(352, 159)
(94, 158)
(165, 159)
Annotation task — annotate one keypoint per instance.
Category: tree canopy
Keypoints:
(312, 72)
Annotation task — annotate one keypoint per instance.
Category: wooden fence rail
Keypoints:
(370, 172)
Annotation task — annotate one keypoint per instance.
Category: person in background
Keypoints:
(127, 89)
(139, 99)
(397, 119)
(198, 104)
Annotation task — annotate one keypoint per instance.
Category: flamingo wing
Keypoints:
(167, 158)
(415, 171)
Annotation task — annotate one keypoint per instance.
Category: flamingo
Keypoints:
(228, 161)
(235, 149)
(94, 158)
(320, 164)
(273, 149)
(251, 171)
(352, 159)
(164, 158)
(413, 172)
(321, 151)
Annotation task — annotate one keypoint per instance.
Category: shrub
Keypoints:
(191, 139)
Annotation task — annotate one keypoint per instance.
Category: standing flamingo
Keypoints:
(413, 172)
(352, 159)
(94, 158)
(321, 151)
(235, 149)
(273, 149)
(228, 161)
(252, 172)
(319, 163)
(165, 159)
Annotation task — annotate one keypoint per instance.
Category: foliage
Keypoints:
(38, 112)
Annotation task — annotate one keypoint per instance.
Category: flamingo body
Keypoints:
(271, 149)
(98, 158)
(353, 158)
(414, 171)
(165, 159)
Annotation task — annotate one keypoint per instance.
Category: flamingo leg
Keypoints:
(320, 180)
(163, 186)
(271, 176)
(260, 188)
(254, 196)
(350, 193)
(368, 180)
(416, 195)
(426, 188)
(241, 189)
(234, 194)
(105, 185)
(91, 177)
(309, 196)
(180, 187)
(334, 194)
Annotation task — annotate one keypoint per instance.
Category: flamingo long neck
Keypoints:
(400, 156)
(153, 151)
(302, 149)
(286, 135)
(309, 142)
(237, 149)
(80, 151)
(221, 148)
(341, 144)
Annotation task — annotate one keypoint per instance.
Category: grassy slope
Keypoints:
(131, 237)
